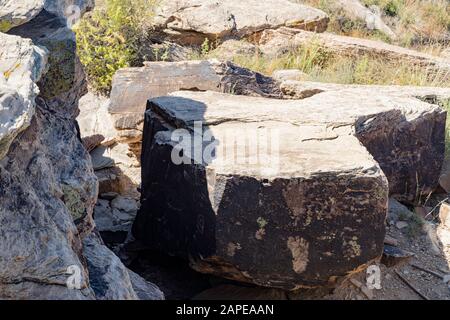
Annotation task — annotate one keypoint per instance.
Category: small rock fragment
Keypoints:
(390, 241)
(100, 160)
(393, 256)
(401, 224)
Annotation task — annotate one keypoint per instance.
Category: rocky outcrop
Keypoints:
(404, 163)
(305, 89)
(114, 215)
(132, 87)
(304, 210)
(14, 13)
(48, 187)
(190, 22)
(276, 42)
(231, 48)
(117, 169)
(20, 68)
(110, 279)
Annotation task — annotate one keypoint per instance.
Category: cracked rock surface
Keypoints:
(305, 215)
(189, 22)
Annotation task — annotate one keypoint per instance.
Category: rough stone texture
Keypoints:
(48, 187)
(14, 13)
(48, 172)
(276, 42)
(64, 82)
(101, 159)
(21, 66)
(92, 142)
(145, 290)
(315, 216)
(305, 89)
(444, 215)
(132, 87)
(110, 279)
(395, 165)
(230, 48)
(191, 21)
(94, 119)
(396, 210)
(116, 215)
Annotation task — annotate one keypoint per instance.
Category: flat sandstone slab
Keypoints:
(191, 21)
(132, 87)
(300, 202)
(304, 89)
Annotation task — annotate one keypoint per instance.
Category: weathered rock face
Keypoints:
(189, 22)
(116, 168)
(228, 49)
(14, 13)
(305, 89)
(108, 277)
(20, 67)
(276, 42)
(306, 214)
(404, 160)
(48, 188)
(132, 87)
(114, 215)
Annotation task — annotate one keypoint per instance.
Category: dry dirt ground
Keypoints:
(393, 288)
(428, 241)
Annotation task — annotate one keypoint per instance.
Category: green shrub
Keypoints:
(110, 37)
(391, 8)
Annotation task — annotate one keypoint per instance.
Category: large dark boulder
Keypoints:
(310, 210)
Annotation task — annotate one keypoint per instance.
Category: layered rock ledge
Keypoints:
(132, 87)
(304, 212)
(190, 22)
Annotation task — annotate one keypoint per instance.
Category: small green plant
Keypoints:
(110, 38)
(205, 48)
(161, 54)
(5, 25)
(415, 225)
(391, 8)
